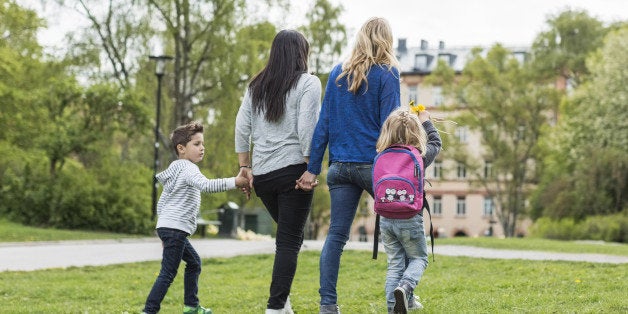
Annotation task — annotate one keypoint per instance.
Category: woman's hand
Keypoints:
(306, 182)
(244, 181)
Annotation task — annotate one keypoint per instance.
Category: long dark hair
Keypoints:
(286, 63)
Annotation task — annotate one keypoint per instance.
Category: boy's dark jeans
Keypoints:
(289, 208)
(176, 248)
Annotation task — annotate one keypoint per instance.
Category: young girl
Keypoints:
(404, 239)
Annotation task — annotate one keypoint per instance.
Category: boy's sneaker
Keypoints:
(401, 301)
(414, 304)
(196, 310)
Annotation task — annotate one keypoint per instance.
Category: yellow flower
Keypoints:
(416, 108)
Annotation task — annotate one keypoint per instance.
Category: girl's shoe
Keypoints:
(414, 304)
(196, 310)
(401, 301)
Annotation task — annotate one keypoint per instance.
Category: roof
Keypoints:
(424, 59)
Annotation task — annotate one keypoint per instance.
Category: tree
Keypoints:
(499, 98)
(19, 53)
(326, 35)
(116, 41)
(561, 51)
(587, 169)
(201, 34)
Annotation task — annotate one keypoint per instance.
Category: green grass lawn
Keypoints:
(240, 285)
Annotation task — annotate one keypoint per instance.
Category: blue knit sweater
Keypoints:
(350, 123)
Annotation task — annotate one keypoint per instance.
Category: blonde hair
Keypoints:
(373, 45)
(402, 127)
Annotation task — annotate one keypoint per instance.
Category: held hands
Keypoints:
(306, 182)
(244, 181)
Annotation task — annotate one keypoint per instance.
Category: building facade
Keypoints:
(459, 207)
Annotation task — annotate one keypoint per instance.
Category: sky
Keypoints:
(473, 22)
(455, 22)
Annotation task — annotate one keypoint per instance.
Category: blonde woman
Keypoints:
(359, 96)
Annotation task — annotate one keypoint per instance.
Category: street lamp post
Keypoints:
(159, 72)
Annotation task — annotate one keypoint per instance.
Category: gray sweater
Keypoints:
(180, 200)
(284, 143)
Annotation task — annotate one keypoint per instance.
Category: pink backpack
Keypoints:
(398, 187)
(398, 182)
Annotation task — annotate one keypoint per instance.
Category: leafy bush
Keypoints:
(610, 228)
(113, 196)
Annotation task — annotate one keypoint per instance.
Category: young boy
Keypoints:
(177, 210)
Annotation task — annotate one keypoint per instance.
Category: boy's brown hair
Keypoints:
(183, 134)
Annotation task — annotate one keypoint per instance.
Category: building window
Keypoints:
(488, 169)
(489, 206)
(437, 170)
(421, 62)
(462, 133)
(447, 58)
(438, 95)
(413, 92)
(462, 171)
(437, 207)
(461, 206)
(520, 56)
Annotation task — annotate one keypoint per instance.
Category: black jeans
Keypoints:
(289, 208)
(176, 248)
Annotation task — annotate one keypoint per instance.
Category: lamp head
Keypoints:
(160, 62)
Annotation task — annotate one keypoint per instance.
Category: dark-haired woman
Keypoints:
(278, 115)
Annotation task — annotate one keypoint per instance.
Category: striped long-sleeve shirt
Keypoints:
(180, 200)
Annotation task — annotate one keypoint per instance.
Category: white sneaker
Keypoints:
(414, 304)
(287, 309)
(401, 301)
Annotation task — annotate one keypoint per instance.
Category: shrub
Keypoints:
(610, 228)
(112, 196)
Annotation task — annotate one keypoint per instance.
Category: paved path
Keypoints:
(42, 255)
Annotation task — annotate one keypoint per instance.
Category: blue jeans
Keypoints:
(346, 183)
(289, 208)
(176, 248)
(406, 248)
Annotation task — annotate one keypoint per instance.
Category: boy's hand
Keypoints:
(244, 181)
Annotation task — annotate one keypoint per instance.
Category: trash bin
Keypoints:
(259, 221)
(228, 216)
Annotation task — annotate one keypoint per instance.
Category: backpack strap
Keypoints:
(376, 237)
(426, 205)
